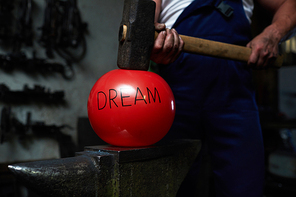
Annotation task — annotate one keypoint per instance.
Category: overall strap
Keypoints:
(217, 20)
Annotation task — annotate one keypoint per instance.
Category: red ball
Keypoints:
(131, 108)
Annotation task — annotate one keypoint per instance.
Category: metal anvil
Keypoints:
(103, 171)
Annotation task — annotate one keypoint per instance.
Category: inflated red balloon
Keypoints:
(131, 108)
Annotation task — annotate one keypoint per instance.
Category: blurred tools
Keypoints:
(11, 126)
(36, 94)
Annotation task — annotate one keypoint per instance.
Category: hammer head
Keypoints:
(136, 34)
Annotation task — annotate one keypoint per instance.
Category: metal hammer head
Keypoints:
(136, 34)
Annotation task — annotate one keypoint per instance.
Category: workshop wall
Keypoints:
(103, 19)
(287, 97)
(287, 91)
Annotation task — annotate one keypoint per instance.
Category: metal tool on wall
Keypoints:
(11, 127)
(19, 61)
(63, 30)
(37, 94)
(6, 22)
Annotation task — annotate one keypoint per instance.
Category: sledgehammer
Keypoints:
(137, 34)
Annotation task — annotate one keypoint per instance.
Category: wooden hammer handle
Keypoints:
(219, 49)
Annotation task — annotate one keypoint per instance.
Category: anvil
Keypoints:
(157, 170)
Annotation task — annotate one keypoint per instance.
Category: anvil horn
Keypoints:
(112, 171)
(60, 177)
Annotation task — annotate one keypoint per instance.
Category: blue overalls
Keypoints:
(215, 100)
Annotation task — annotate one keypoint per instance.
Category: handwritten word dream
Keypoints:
(116, 98)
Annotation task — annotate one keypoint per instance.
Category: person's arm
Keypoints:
(265, 45)
(168, 44)
(157, 10)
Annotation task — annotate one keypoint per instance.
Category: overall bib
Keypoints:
(215, 100)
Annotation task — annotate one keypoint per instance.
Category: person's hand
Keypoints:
(167, 45)
(264, 49)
